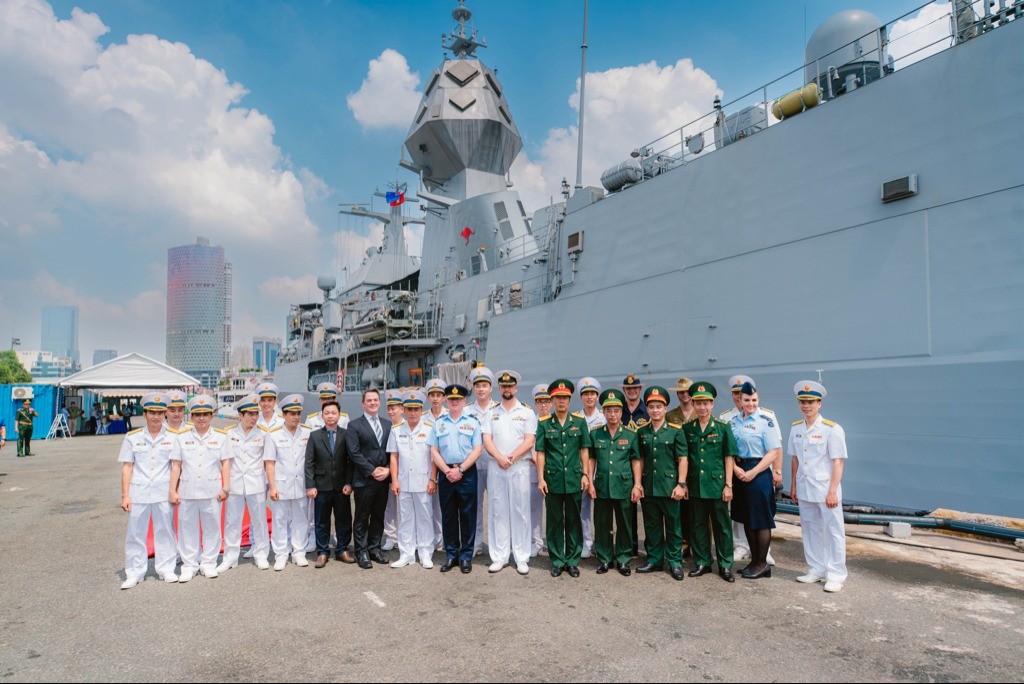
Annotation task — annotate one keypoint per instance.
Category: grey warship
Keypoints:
(859, 221)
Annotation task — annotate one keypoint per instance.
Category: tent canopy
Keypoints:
(130, 371)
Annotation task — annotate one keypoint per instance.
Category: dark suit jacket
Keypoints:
(326, 471)
(364, 454)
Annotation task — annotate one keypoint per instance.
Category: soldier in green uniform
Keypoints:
(712, 449)
(664, 480)
(617, 475)
(23, 422)
(563, 461)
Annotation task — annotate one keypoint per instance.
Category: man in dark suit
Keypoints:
(327, 483)
(369, 465)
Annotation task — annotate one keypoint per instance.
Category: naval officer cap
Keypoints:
(656, 393)
(293, 402)
(201, 404)
(561, 388)
(541, 392)
(455, 391)
(589, 384)
(508, 378)
(268, 389)
(703, 390)
(327, 390)
(631, 380)
(736, 382)
(393, 397)
(250, 403)
(176, 399)
(481, 374)
(809, 389)
(434, 385)
(612, 397)
(682, 385)
(154, 401)
(414, 399)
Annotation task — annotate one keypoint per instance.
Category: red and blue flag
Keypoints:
(395, 198)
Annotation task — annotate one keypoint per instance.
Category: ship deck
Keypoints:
(907, 614)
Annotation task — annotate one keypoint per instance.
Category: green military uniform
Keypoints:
(23, 423)
(563, 472)
(613, 456)
(708, 449)
(662, 524)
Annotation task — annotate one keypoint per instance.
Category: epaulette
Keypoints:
(547, 417)
(677, 426)
(305, 426)
(344, 414)
(494, 404)
(428, 422)
(766, 410)
(222, 431)
(269, 430)
(595, 429)
(314, 413)
(719, 420)
(393, 426)
(264, 428)
(828, 422)
(579, 414)
(690, 421)
(630, 429)
(132, 432)
(178, 431)
(797, 422)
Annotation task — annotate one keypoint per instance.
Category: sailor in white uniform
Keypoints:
(541, 408)
(509, 433)
(177, 403)
(590, 390)
(270, 414)
(739, 534)
(435, 397)
(413, 482)
(393, 406)
(200, 471)
(248, 488)
(817, 447)
(284, 456)
(145, 494)
(327, 391)
(482, 380)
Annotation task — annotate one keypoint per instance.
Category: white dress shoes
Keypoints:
(262, 564)
(186, 575)
(833, 587)
(300, 560)
(402, 562)
(496, 566)
(809, 578)
(131, 582)
(225, 566)
(280, 562)
(522, 568)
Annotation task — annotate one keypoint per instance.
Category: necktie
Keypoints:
(376, 429)
(331, 434)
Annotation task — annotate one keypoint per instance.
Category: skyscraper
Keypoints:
(60, 332)
(265, 352)
(103, 355)
(198, 310)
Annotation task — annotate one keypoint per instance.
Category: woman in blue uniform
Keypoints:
(753, 504)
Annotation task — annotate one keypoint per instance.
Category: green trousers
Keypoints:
(25, 440)
(564, 529)
(664, 534)
(607, 511)
(717, 512)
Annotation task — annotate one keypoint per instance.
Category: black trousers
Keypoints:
(458, 515)
(371, 501)
(324, 505)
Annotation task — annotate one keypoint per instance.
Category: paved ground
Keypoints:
(62, 616)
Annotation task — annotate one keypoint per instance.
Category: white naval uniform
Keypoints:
(287, 450)
(248, 490)
(824, 536)
(415, 512)
(314, 421)
(739, 534)
(587, 507)
(428, 418)
(201, 458)
(482, 466)
(509, 528)
(536, 504)
(274, 422)
(149, 492)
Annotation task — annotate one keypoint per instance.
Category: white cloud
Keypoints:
(285, 290)
(388, 95)
(626, 107)
(920, 35)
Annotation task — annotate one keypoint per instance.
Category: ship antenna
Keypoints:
(583, 89)
(463, 44)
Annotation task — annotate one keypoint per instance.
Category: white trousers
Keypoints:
(391, 518)
(824, 537)
(509, 529)
(438, 536)
(291, 527)
(193, 513)
(739, 538)
(481, 489)
(536, 511)
(136, 554)
(233, 512)
(586, 516)
(416, 525)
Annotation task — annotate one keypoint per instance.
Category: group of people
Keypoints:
(418, 479)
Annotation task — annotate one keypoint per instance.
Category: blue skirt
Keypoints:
(753, 503)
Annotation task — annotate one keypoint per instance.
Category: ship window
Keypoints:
(500, 211)
(508, 119)
(494, 85)
(474, 264)
(430, 87)
(506, 230)
(522, 211)
(423, 113)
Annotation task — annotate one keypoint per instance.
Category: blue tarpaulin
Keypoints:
(44, 402)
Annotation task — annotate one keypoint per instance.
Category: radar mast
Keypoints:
(462, 44)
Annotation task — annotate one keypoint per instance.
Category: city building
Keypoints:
(102, 355)
(199, 294)
(265, 352)
(45, 367)
(60, 332)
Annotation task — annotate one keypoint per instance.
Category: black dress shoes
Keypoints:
(364, 561)
(677, 573)
(766, 571)
(700, 570)
(449, 564)
(556, 572)
(466, 567)
(650, 567)
(573, 571)
(378, 557)
(624, 570)
(602, 568)
(726, 574)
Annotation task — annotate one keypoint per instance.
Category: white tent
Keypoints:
(131, 371)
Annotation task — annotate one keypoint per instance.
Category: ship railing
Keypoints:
(423, 329)
(522, 294)
(929, 29)
(489, 258)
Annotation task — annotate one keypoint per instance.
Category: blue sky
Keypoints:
(233, 120)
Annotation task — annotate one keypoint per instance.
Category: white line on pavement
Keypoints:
(374, 599)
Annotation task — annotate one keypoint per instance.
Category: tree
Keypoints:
(11, 370)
